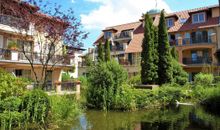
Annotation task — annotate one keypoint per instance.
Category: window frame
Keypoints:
(168, 21)
(198, 17)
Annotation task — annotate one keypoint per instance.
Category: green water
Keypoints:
(175, 118)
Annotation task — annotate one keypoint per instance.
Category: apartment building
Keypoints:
(194, 33)
(14, 61)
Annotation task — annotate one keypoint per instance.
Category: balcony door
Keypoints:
(194, 56)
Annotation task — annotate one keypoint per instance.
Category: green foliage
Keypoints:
(155, 53)
(105, 80)
(101, 56)
(134, 80)
(165, 58)
(125, 99)
(66, 76)
(212, 100)
(84, 82)
(13, 45)
(107, 51)
(64, 108)
(204, 79)
(36, 105)
(217, 79)
(11, 85)
(148, 66)
(88, 61)
(174, 53)
(179, 75)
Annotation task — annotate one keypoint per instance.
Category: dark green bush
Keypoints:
(217, 79)
(204, 79)
(36, 105)
(105, 81)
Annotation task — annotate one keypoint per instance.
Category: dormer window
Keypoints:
(108, 35)
(198, 18)
(170, 22)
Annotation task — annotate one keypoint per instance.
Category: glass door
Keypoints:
(194, 56)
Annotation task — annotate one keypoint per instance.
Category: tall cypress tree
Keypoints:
(100, 52)
(165, 59)
(155, 54)
(148, 68)
(107, 51)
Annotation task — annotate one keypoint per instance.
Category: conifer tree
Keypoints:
(107, 51)
(156, 55)
(165, 59)
(100, 52)
(148, 68)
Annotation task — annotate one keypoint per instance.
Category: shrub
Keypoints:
(179, 75)
(84, 81)
(105, 80)
(11, 85)
(64, 108)
(36, 106)
(66, 76)
(212, 100)
(217, 79)
(125, 99)
(203, 79)
(135, 80)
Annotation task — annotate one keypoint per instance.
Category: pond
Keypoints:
(172, 118)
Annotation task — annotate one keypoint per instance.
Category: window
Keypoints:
(198, 18)
(187, 35)
(18, 73)
(183, 20)
(170, 22)
(107, 35)
(194, 56)
(23, 73)
(27, 45)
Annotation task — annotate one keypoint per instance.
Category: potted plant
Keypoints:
(13, 47)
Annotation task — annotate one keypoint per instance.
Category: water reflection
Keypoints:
(180, 118)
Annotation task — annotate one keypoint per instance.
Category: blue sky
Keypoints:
(97, 14)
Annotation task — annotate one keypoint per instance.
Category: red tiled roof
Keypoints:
(138, 34)
(211, 22)
(118, 29)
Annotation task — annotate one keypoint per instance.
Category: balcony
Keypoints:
(193, 41)
(18, 57)
(198, 60)
(11, 23)
(123, 36)
(117, 48)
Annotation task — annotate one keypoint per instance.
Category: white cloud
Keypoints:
(73, 1)
(113, 12)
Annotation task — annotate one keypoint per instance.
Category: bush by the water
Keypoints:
(204, 79)
(64, 108)
(36, 105)
(23, 109)
(105, 84)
